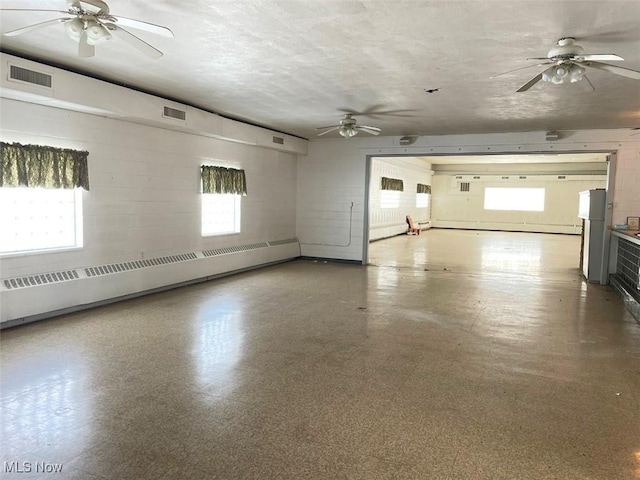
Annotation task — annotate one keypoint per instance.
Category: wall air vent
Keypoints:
(562, 177)
(174, 113)
(505, 178)
(278, 140)
(40, 279)
(30, 76)
(458, 177)
(522, 177)
(464, 186)
(477, 177)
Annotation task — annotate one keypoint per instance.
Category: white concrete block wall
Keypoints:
(144, 199)
(330, 185)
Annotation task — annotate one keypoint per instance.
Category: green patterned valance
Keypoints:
(391, 184)
(42, 166)
(223, 180)
(423, 188)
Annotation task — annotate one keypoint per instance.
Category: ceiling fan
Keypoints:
(90, 23)
(568, 62)
(349, 127)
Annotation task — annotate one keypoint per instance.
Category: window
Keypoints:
(521, 199)
(423, 193)
(390, 199)
(220, 214)
(422, 200)
(37, 219)
(40, 197)
(222, 189)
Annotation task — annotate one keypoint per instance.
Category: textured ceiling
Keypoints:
(295, 65)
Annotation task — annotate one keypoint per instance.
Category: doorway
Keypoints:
(533, 193)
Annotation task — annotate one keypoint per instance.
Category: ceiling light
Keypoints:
(563, 73)
(74, 28)
(576, 73)
(347, 132)
(97, 33)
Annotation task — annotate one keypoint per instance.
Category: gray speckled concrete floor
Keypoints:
(454, 355)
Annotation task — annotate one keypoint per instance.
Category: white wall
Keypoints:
(386, 222)
(144, 202)
(453, 208)
(333, 174)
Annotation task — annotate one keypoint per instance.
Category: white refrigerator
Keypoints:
(591, 210)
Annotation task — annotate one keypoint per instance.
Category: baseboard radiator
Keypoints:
(32, 297)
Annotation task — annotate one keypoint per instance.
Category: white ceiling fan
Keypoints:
(568, 62)
(90, 23)
(349, 127)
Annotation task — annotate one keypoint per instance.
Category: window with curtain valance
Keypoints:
(42, 166)
(423, 188)
(223, 180)
(391, 184)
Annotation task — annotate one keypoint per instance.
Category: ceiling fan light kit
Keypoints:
(349, 127)
(89, 23)
(564, 73)
(568, 64)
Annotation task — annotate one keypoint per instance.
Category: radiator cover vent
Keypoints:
(25, 75)
(113, 268)
(283, 242)
(240, 248)
(136, 264)
(40, 279)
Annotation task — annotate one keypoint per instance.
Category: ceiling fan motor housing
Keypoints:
(566, 49)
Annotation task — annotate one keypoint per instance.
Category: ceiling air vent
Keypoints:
(29, 76)
(278, 140)
(464, 186)
(174, 113)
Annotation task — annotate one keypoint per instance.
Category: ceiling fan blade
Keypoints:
(625, 72)
(134, 41)
(140, 25)
(328, 126)
(330, 130)
(599, 57)
(375, 112)
(84, 49)
(22, 30)
(535, 80)
(31, 10)
(522, 68)
(369, 127)
(367, 130)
